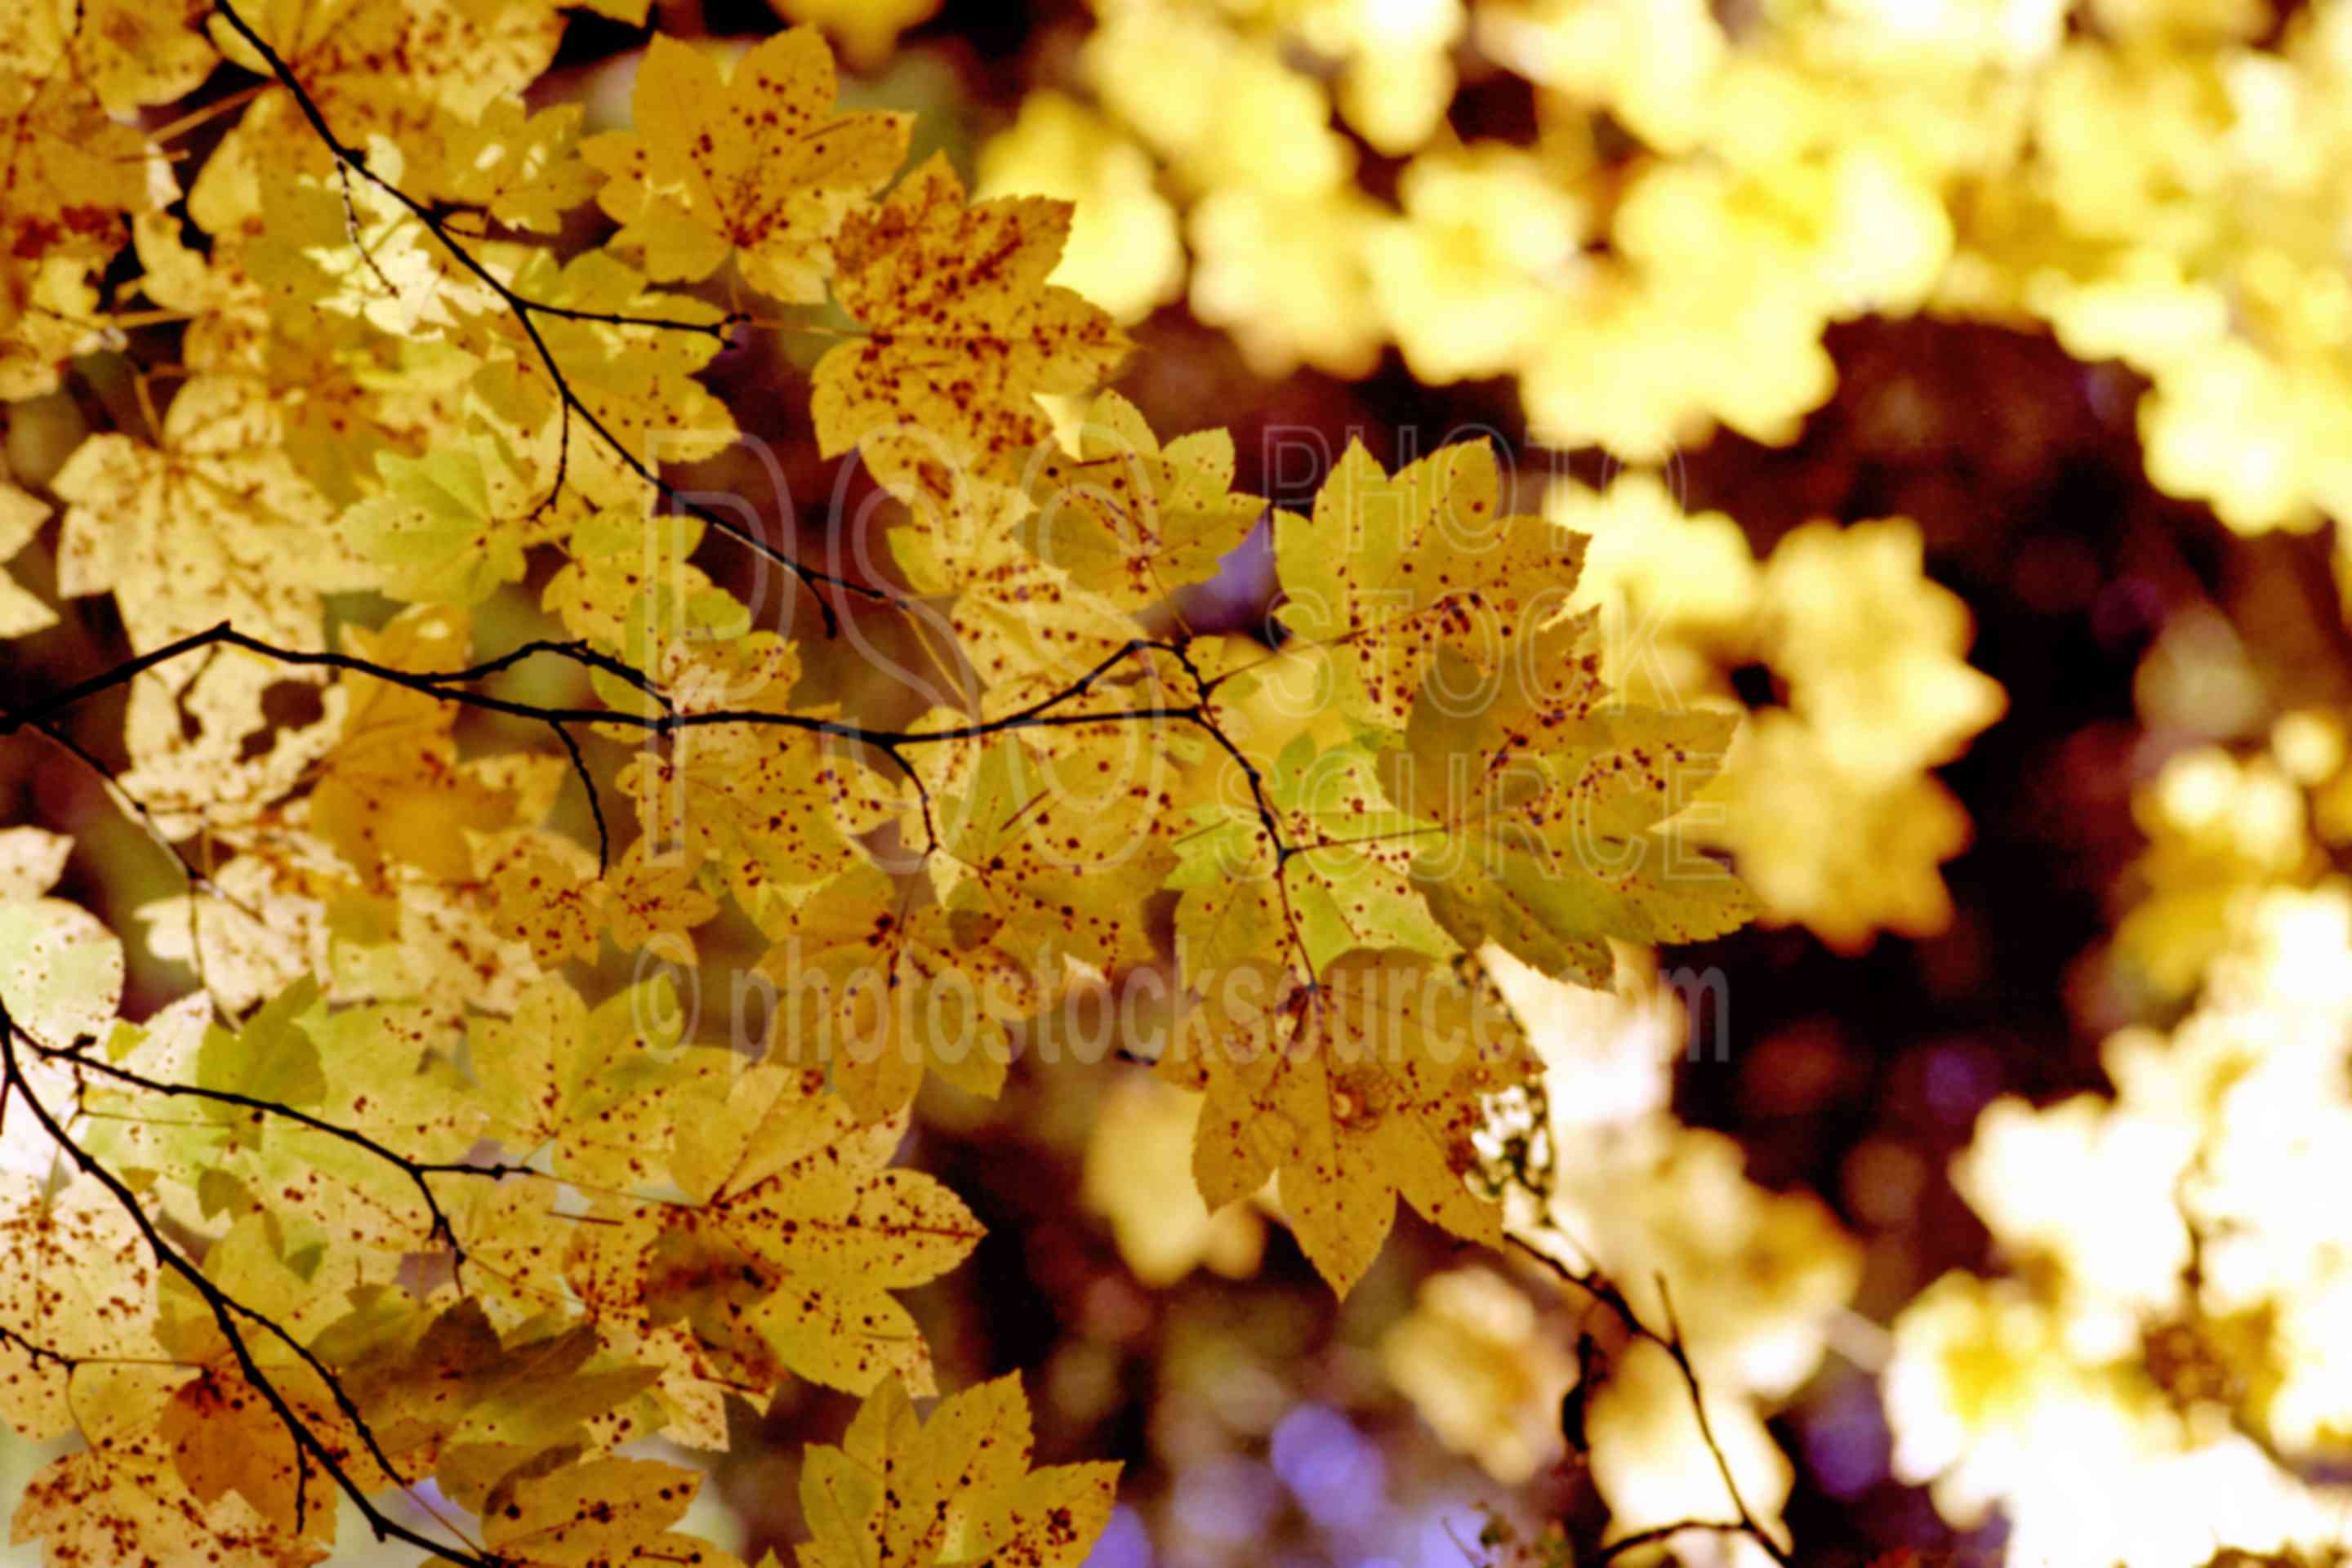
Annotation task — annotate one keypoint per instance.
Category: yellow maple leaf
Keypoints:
(1556, 806)
(649, 895)
(390, 1082)
(525, 170)
(1873, 649)
(1390, 568)
(1128, 520)
(1028, 870)
(394, 788)
(213, 524)
(83, 1507)
(880, 989)
(132, 53)
(73, 177)
(955, 1489)
(544, 890)
(1847, 853)
(1340, 878)
(456, 58)
(594, 1087)
(1357, 1091)
(759, 164)
(432, 530)
(794, 1238)
(606, 1511)
(961, 330)
(73, 171)
(770, 809)
(82, 1288)
(223, 1435)
(635, 382)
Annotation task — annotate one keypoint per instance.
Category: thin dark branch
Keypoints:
(1605, 1290)
(454, 686)
(228, 1315)
(449, 686)
(416, 1170)
(588, 784)
(1659, 1533)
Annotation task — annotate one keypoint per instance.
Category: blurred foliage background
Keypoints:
(1961, 387)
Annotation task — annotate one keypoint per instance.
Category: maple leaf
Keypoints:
(432, 531)
(395, 69)
(213, 525)
(616, 560)
(132, 53)
(1029, 871)
(962, 329)
(880, 990)
(84, 1507)
(224, 1435)
(794, 1237)
(602, 1512)
(770, 808)
(525, 170)
(271, 1057)
(125, 1130)
(60, 970)
(448, 1397)
(954, 1488)
(1027, 629)
(1353, 1092)
(207, 754)
(80, 1286)
(392, 1085)
(1128, 520)
(73, 174)
(1549, 796)
(1344, 882)
(649, 896)
(1392, 568)
(361, 254)
(758, 164)
(635, 382)
(544, 892)
(588, 1084)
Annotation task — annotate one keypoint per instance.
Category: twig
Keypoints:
(1604, 1290)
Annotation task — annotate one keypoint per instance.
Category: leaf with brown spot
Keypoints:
(962, 332)
(1353, 1093)
(795, 1236)
(1556, 806)
(600, 1514)
(956, 1488)
(1128, 519)
(870, 986)
(1390, 568)
(758, 164)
